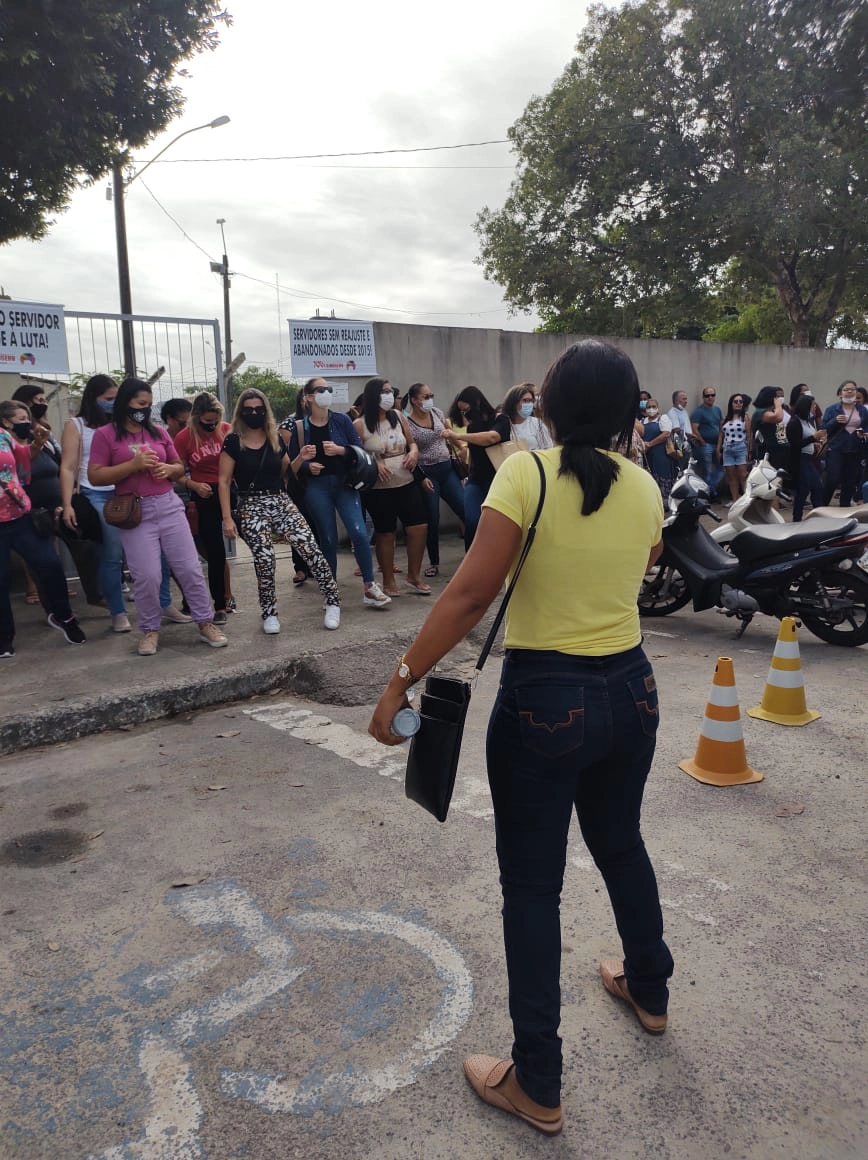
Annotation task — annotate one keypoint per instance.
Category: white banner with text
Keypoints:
(32, 338)
(332, 346)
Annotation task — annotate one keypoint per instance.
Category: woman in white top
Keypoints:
(397, 496)
(95, 411)
(518, 406)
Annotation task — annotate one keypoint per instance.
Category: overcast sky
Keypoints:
(383, 232)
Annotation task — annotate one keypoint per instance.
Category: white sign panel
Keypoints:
(341, 391)
(332, 346)
(32, 338)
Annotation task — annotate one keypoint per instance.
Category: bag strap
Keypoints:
(528, 544)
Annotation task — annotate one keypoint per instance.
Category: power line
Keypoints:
(324, 156)
(317, 295)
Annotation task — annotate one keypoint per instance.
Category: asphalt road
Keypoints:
(231, 936)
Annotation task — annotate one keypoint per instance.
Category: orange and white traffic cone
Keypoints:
(784, 695)
(720, 757)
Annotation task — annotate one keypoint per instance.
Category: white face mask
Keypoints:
(387, 402)
(651, 412)
(848, 398)
(427, 404)
(322, 397)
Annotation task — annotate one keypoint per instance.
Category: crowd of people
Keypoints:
(823, 451)
(196, 480)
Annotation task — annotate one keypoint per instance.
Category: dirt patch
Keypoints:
(59, 813)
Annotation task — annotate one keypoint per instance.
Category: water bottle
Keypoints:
(406, 722)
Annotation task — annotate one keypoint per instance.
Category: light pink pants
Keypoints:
(164, 529)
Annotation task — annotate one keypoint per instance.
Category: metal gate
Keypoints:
(178, 356)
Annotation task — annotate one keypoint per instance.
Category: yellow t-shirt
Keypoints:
(578, 588)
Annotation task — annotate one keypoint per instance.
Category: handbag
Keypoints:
(432, 762)
(460, 466)
(123, 511)
(676, 444)
(43, 522)
(500, 452)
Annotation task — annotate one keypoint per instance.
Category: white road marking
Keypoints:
(171, 1131)
(472, 796)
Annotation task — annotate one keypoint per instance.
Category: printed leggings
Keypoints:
(262, 516)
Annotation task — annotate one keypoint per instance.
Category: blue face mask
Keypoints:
(643, 403)
(106, 405)
(526, 409)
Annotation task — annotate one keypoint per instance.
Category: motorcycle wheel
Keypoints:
(843, 627)
(663, 590)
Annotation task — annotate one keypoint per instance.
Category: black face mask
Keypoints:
(253, 419)
(208, 426)
(141, 415)
(22, 431)
(37, 410)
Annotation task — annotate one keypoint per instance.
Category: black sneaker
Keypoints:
(71, 629)
(7, 648)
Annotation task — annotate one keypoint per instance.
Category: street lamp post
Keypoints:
(223, 269)
(119, 187)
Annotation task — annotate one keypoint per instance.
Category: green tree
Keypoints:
(80, 81)
(280, 392)
(683, 135)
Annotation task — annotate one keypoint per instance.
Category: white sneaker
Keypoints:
(175, 615)
(375, 597)
(332, 618)
(271, 625)
(121, 622)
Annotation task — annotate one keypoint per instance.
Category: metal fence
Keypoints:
(178, 355)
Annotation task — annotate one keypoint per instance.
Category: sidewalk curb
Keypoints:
(308, 674)
(71, 720)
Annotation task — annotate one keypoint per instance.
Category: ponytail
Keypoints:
(594, 470)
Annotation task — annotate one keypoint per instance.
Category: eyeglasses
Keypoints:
(709, 394)
(736, 400)
(316, 390)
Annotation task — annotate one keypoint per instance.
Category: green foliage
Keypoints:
(280, 392)
(686, 134)
(81, 80)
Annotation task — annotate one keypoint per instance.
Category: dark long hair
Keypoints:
(371, 404)
(730, 410)
(765, 400)
(481, 411)
(126, 390)
(88, 410)
(590, 396)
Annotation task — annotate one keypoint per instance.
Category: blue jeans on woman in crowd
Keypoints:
(447, 486)
(810, 483)
(571, 732)
(326, 498)
(474, 497)
(111, 559)
(19, 535)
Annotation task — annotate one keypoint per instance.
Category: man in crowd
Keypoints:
(705, 425)
(678, 416)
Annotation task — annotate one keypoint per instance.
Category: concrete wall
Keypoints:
(449, 358)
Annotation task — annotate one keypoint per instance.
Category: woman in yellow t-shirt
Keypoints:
(575, 721)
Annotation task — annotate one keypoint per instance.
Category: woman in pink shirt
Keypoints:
(140, 459)
(198, 446)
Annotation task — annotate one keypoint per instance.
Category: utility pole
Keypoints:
(223, 270)
(126, 297)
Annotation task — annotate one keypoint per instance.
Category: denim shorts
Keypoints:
(735, 455)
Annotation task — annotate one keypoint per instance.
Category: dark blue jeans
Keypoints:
(447, 486)
(571, 732)
(475, 495)
(810, 484)
(326, 499)
(42, 560)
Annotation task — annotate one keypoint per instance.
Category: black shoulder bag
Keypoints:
(432, 762)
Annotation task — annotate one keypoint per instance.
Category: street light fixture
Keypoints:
(118, 194)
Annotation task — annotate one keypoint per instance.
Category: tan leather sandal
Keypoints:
(491, 1079)
(615, 982)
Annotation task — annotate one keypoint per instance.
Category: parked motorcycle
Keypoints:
(807, 571)
(756, 507)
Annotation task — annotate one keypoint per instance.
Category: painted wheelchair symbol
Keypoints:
(172, 1130)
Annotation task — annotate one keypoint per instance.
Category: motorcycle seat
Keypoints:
(839, 513)
(755, 543)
